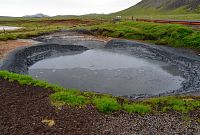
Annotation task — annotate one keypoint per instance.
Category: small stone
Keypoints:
(50, 123)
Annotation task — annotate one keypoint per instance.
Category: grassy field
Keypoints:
(161, 16)
(165, 34)
(188, 16)
(108, 103)
(35, 26)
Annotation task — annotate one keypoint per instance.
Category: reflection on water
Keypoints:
(108, 72)
(9, 28)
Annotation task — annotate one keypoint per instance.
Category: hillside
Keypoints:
(146, 7)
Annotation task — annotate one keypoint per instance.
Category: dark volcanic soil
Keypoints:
(23, 108)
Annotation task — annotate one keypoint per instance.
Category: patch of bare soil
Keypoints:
(10, 45)
(28, 110)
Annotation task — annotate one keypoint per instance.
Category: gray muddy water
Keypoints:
(107, 71)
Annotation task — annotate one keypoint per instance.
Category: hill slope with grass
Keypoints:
(148, 7)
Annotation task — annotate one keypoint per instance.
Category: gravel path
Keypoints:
(24, 110)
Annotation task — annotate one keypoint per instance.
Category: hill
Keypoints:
(148, 7)
(36, 16)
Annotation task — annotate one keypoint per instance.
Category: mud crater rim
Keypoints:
(21, 59)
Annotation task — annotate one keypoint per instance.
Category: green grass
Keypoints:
(12, 35)
(69, 98)
(28, 80)
(137, 108)
(35, 27)
(107, 103)
(152, 12)
(181, 13)
(166, 34)
(180, 104)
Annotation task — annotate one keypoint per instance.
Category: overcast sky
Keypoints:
(62, 7)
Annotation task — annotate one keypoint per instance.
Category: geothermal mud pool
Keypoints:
(118, 67)
(108, 72)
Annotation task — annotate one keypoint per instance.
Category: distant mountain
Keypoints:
(65, 16)
(163, 7)
(36, 16)
(5, 16)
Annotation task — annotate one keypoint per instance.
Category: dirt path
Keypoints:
(8, 46)
(26, 109)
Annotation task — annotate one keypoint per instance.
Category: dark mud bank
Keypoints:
(188, 64)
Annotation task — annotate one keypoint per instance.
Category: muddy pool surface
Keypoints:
(106, 71)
